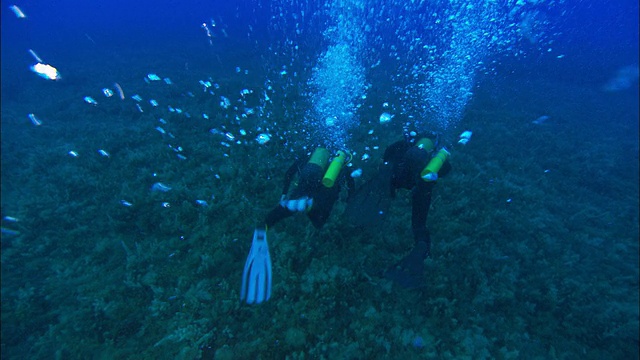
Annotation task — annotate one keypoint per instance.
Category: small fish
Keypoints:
(35, 56)
(385, 117)
(17, 11)
(35, 120)
(540, 120)
(46, 71)
(160, 187)
(11, 232)
(119, 89)
(263, 138)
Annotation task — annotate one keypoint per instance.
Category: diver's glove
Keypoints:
(409, 272)
(297, 205)
(464, 137)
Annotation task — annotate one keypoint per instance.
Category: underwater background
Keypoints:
(132, 182)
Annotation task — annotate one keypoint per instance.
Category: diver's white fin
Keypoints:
(256, 278)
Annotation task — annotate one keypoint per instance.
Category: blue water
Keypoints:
(535, 232)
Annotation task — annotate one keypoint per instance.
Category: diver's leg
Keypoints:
(278, 213)
(409, 272)
(421, 201)
(322, 204)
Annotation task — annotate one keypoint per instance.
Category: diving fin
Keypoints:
(370, 203)
(409, 272)
(256, 278)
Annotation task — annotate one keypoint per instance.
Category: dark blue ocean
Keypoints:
(144, 141)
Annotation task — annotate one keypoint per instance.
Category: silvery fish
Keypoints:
(160, 187)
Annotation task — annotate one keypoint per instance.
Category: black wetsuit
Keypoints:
(310, 185)
(407, 161)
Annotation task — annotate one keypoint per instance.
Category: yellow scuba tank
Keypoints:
(426, 144)
(320, 157)
(341, 158)
(430, 172)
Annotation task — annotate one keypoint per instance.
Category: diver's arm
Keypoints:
(291, 172)
(351, 185)
(280, 212)
(446, 168)
(395, 151)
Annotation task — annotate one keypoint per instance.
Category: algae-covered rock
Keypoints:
(295, 337)
(224, 353)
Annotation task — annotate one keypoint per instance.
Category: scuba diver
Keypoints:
(414, 163)
(319, 182)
